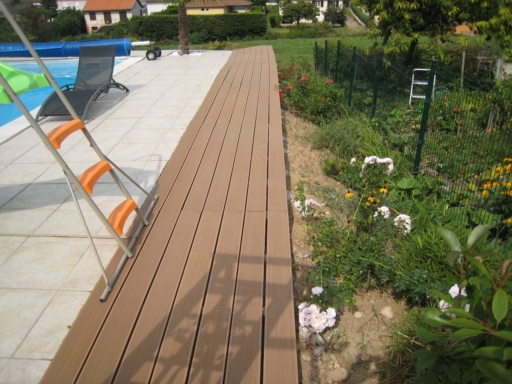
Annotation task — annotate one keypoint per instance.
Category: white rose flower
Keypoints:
(317, 290)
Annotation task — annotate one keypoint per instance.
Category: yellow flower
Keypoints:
(508, 159)
(383, 191)
(495, 184)
(508, 221)
(509, 192)
(507, 184)
(487, 185)
(497, 171)
(508, 168)
(349, 194)
(485, 192)
(368, 203)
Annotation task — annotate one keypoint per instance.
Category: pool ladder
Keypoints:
(84, 184)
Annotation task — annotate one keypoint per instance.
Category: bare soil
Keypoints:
(358, 339)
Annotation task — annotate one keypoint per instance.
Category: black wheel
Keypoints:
(158, 51)
(151, 55)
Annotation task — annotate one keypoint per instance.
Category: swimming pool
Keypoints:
(63, 71)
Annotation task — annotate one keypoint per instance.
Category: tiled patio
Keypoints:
(45, 279)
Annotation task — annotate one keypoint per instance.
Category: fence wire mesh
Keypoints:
(466, 139)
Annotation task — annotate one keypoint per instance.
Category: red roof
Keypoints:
(110, 5)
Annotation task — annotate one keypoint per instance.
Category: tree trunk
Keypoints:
(410, 51)
(183, 26)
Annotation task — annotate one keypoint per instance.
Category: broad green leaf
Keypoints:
(505, 267)
(453, 256)
(460, 313)
(427, 337)
(506, 335)
(477, 233)
(434, 319)
(500, 305)
(466, 323)
(464, 334)
(443, 296)
(426, 358)
(450, 238)
(507, 353)
(453, 373)
(494, 371)
(480, 266)
(490, 352)
(406, 183)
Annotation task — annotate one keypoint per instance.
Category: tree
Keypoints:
(402, 22)
(33, 21)
(69, 22)
(51, 8)
(184, 34)
(299, 10)
(335, 15)
(492, 18)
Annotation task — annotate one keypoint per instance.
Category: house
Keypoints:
(77, 4)
(216, 7)
(99, 13)
(204, 7)
(322, 5)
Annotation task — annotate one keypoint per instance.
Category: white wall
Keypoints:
(156, 7)
(78, 4)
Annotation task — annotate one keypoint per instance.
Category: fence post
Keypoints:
(326, 60)
(337, 63)
(424, 117)
(377, 80)
(316, 56)
(352, 75)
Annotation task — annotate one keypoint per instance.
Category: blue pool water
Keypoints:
(63, 71)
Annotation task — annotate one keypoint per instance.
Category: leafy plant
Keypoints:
(472, 336)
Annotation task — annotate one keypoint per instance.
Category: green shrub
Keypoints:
(216, 27)
(358, 12)
(311, 31)
(170, 10)
(469, 338)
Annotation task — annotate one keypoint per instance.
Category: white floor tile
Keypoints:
(19, 311)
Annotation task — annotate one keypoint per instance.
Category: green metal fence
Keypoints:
(460, 131)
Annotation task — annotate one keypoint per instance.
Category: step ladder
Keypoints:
(84, 184)
(418, 80)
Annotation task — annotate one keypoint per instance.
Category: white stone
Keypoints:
(318, 351)
(387, 312)
(358, 315)
(338, 375)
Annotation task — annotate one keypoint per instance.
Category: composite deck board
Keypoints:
(210, 350)
(278, 365)
(244, 350)
(201, 187)
(257, 196)
(189, 306)
(238, 189)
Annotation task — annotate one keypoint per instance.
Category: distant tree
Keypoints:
(69, 22)
(403, 22)
(33, 21)
(492, 18)
(300, 10)
(335, 15)
(15, 2)
(51, 7)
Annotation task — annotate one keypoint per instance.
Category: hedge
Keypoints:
(216, 27)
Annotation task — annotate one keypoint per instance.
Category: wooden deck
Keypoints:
(208, 296)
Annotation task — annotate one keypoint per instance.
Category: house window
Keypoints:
(122, 16)
(319, 4)
(205, 9)
(107, 16)
(92, 16)
(64, 4)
